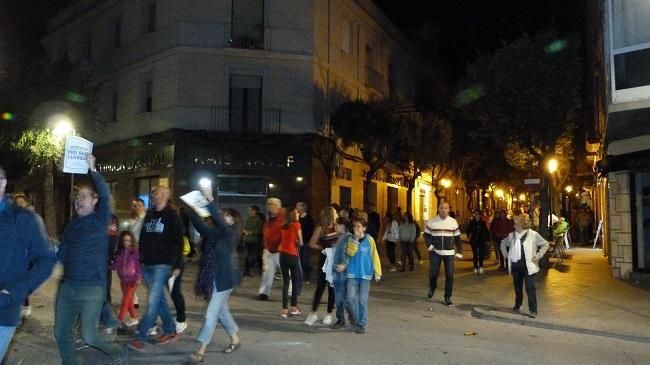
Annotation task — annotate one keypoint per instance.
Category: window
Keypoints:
(373, 77)
(345, 197)
(148, 96)
(117, 33)
(114, 101)
(346, 37)
(392, 199)
(247, 29)
(245, 103)
(143, 189)
(629, 49)
(88, 47)
(151, 18)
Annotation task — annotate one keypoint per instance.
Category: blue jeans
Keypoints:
(340, 293)
(217, 311)
(5, 338)
(108, 316)
(86, 303)
(434, 261)
(156, 276)
(358, 300)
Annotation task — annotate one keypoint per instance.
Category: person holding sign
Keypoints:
(84, 254)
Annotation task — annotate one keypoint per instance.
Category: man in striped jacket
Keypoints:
(442, 237)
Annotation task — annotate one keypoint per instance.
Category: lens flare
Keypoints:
(8, 116)
(555, 46)
(470, 95)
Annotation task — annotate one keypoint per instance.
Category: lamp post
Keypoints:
(446, 183)
(62, 128)
(551, 165)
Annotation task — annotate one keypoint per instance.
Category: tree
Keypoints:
(372, 128)
(43, 151)
(55, 88)
(422, 143)
(526, 96)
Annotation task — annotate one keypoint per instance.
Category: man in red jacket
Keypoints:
(272, 231)
(501, 226)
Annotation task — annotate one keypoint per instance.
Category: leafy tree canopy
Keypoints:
(526, 95)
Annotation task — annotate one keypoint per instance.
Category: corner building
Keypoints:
(238, 91)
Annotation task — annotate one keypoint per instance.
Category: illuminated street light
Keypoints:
(446, 183)
(205, 182)
(522, 197)
(271, 185)
(568, 189)
(499, 193)
(62, 125)
(299, 179)
(552, 165)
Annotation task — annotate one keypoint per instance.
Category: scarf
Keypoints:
(514, 254)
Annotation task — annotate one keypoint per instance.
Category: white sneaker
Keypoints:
(26, 311)
(311, 319)
(327, 320)
(480, 271)
(153, 331)
(181, 326)
(475, 271)
(132, 322)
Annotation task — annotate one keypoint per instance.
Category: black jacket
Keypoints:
(161, 238)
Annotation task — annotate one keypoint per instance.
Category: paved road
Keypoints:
(586, 317)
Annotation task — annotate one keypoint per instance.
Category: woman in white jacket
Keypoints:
(523, 248)
(391, 236)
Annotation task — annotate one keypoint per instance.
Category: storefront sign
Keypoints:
(145, 160)
(237, 161)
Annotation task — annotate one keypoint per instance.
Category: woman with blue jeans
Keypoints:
(218, 275)
(362, 262)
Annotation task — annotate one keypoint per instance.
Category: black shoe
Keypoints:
(533, 314)
(338, 325)
(430, 294)
(263, 297)
(515, 309)
(360, 330)
(448, 302)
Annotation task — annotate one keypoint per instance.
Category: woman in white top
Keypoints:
(391, 236)
(406, 240)
(523, 248)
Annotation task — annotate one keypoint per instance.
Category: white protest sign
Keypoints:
(74, 157)
(196, 201)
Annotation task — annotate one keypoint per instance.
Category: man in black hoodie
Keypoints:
(161, 253)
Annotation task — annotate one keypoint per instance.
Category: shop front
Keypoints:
(242, 171)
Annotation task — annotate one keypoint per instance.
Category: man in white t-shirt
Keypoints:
(442, 236)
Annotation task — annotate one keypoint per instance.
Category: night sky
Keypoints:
(467, 27)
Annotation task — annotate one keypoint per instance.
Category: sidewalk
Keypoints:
(581, 297)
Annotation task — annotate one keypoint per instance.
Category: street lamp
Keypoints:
(63, 127)
(446, 183)
(552, 166)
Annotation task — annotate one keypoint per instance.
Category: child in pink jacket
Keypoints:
(127, 265)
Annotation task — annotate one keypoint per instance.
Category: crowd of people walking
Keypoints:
(153, 245)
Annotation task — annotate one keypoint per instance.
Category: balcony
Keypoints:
(374, 79)
(249, 36)
(240, 120)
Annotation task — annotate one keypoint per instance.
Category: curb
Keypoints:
(482, 313)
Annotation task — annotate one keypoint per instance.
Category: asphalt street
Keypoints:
(585, 317)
